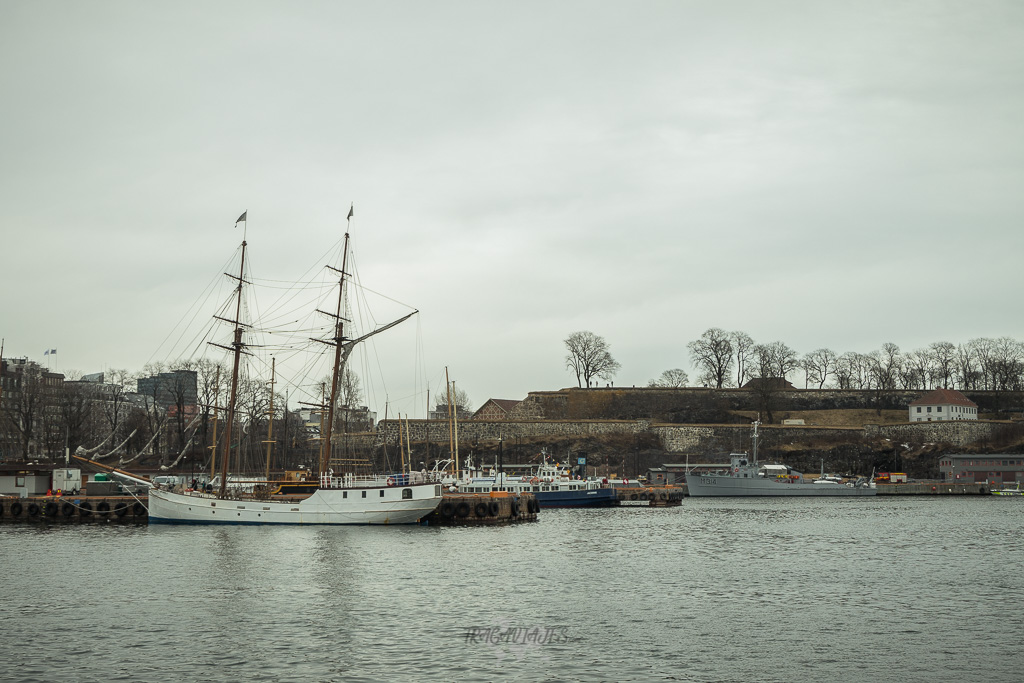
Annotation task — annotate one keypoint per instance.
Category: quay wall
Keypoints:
(74, 510)
(690, 438)
(933, 489)
(736, 438)
(436, 431)
(954, 432)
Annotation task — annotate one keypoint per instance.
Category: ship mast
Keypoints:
(236, 347)
(339, 338)
(270, 422)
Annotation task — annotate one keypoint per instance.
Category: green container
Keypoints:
(101, 477)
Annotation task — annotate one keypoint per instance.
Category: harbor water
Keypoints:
(907, 589)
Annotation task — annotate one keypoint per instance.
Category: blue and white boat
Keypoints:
(551, 486)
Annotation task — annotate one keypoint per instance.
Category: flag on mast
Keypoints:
(241, 219)
(351, 211)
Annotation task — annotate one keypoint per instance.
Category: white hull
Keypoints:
(724, 485)
(372, 505)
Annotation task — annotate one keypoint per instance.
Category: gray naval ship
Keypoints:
(748, 478)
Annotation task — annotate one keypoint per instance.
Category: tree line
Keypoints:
(725, 359)
(731, 359)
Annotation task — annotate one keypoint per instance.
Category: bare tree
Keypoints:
(712, 355)
(1007, 364)
(119, 383)
(350, 392)
(943, 356)
(211, 378)
(743, 352)
(673, 378)
(589, 357)
(885, 366)
(23, 409)
(820, 365)
(460, 400)
(968, 375)
(916, 371)
(775, 360)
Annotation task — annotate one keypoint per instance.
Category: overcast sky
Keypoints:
(827, 174)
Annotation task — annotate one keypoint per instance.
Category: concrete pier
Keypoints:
(651, 496)
(473, 509)
(933, 488)
(74, 510)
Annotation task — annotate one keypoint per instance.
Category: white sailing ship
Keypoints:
(398, 498)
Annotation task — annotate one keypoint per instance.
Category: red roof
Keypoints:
(944, 397)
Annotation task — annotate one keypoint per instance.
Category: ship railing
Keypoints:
(346, 481)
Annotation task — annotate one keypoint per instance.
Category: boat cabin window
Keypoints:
(406, 494)
(364, 494)
(344, 494)
(382, 493)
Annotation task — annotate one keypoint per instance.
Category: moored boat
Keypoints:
(552, 486)
(747, 477)
(345, 501)
(349, 499)
(1008, 491)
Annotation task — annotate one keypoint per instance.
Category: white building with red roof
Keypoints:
(943, 404)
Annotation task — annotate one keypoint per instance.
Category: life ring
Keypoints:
(480, 510)
(447, 509)
(493, 509)
(85, 509)
(462, 509)
(535, 481)
(50, 509)
(67, 509)
(138, 509)
(391, 481)
(33, 510)
(736, 470)
(16, 509)
(121, 509)
(103, 508)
